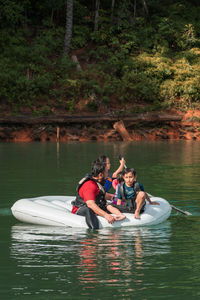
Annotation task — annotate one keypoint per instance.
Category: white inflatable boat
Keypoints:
(56, 211)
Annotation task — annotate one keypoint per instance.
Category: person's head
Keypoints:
(117, 180)
(129, 176)
(120, 177)
(99, 171)
(105, 160)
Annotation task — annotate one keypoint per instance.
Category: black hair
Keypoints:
(120, 177)
(128, 170)
(101, 159)
(97, 168)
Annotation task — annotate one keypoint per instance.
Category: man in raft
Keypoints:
(91, 198)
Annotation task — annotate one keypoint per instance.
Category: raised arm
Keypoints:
(121, 166)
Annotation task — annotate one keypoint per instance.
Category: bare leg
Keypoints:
(119, 216)
(140, 201)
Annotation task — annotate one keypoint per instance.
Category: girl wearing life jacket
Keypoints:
(132, 193)
(116, 184)
(105, 160)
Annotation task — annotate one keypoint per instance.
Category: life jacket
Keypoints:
(108, 184)
(100, 199)
(131, 201)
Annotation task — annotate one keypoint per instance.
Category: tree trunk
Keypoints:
(121, 129)
(78, 66)
(112, 10)
(96, 20)
(133, 16)
(146, 11)
(69, 26)
(52, 15)
(134, 13)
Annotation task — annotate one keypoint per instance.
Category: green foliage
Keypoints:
(45, 110)
(188, 37)
(12, 13)
(92, 106)
(72, 87)
(138, 86)
(70, 105)
(80, 36)
(127, 60)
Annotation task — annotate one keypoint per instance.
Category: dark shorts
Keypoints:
(125, 209)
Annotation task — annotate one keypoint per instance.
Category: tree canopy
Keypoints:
(135, 51)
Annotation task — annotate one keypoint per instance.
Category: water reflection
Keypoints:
(121, 256)
(108, 257)
(58, 154)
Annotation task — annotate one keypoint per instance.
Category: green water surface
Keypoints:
(158, 262)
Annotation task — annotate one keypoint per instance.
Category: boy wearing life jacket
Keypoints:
(91, 198)
(132, 193)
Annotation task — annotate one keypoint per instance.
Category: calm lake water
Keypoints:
(158, 262)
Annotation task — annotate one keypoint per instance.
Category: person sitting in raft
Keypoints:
(105, 159)
(132, 193)
(91, 198)
(116, 184)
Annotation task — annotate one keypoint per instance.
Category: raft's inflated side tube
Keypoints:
(56, 211)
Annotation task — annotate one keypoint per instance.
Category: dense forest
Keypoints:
(66, 56)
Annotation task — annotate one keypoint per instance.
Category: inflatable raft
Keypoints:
(56, 211)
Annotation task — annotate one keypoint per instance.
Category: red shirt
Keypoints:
(88, 191)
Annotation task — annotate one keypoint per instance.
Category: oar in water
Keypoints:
(172, 206)
(184, 212)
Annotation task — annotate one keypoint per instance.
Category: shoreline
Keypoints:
(151, 126)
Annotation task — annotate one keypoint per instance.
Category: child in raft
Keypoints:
(111, 176)
(132, 194)
(116, 184)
